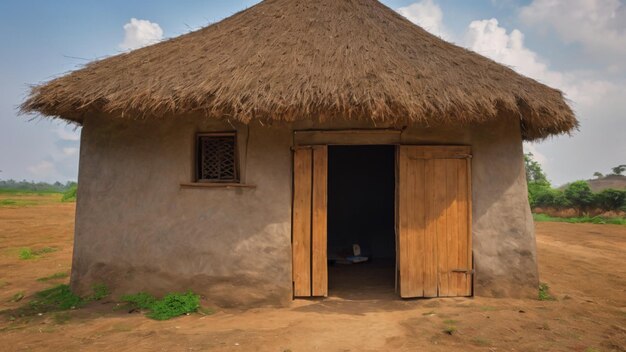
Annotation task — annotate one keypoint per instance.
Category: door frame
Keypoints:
(454, 151)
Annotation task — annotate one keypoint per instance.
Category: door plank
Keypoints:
(301, 240)
(452, 225)
(439, 207)
(319, 260)
(430, 233)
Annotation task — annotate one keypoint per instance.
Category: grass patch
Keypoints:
(56, 298)
(100, 291)
(544, 293)
(17, 297)
(479, 341)
(450, 329)
(141, 300)
(580, 220)
(55, 276)
(172, 305)
(16, 203)
(450, 322)
(3, 284)
(28, 254)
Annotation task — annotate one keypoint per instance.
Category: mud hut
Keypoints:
(244, 160)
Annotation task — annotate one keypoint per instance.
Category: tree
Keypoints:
(580, 195)
(598, 174)
(618, 170)
(611, 199)
(534, 172)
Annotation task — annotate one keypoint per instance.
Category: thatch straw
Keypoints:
(286, 60)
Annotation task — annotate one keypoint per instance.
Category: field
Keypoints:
(584, 265)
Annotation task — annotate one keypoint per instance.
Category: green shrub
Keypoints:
(26, 254)
(140, 300)
(544, 293)
(173, 305)
(610, 199)
(551, 198)
(580, 195)
(70, 194)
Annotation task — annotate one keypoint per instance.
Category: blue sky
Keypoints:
(581, 52)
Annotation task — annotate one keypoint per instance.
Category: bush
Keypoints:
(610, 199)
(551, 198)
(174, 305)
(70, 194)
(580, 195)
(544, 293)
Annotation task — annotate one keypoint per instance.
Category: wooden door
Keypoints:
(310, 178)
(434, 221)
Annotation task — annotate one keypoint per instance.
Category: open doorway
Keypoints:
(361, 211)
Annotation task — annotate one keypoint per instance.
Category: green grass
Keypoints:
(56, 298)
(40, 192)
(28, 254)
(55, 276)
(581, 220)
(100, 291)
(544, 293)
(16, 203)
(140, 300)
(172, 305)
(70, 194)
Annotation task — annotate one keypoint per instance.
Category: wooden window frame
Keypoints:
(197, 179)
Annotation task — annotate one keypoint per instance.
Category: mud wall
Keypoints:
(137, 229)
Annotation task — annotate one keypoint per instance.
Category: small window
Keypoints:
(217, 158)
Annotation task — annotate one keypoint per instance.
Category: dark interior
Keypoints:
(361, 210)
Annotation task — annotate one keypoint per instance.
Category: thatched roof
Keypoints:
(285, 60)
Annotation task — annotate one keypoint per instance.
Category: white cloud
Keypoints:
(427, 15)
(486, 37)
(68, 134)
(43, 169)
(598, 25)
(70, 151)
(139, 33)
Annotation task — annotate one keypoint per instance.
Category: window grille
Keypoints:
(217, 158)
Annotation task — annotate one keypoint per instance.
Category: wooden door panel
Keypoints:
(319, 225)
(301, 236)
(411, 225)
(434, 207)
(309, 237)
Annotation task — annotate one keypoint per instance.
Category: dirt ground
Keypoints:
(585, 266)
